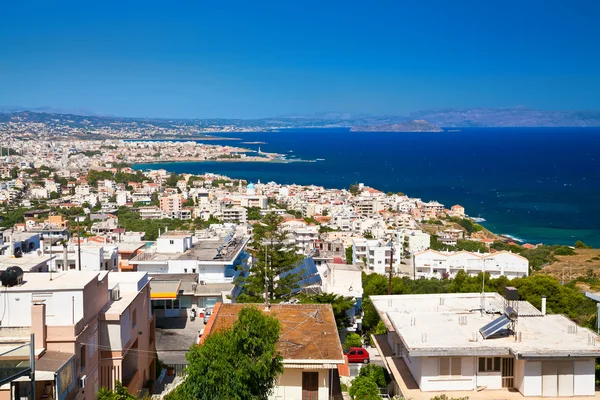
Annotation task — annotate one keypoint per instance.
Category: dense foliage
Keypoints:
(364, 388)
(131, 221)
(241, 363)
(120, 393)
(378, 374)
(352, 340)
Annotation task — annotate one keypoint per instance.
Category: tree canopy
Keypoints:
(273, 261)
(240, 363)
(364, 388)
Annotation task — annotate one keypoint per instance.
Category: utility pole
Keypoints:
(267, 307)
(391, 266)
(78, 244)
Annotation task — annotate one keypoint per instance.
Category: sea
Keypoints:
(537, 185)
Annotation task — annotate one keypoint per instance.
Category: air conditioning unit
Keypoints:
(202, 282)
(83, 381)
(115, 294)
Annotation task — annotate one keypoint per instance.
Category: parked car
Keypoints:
(207, 315)
(358, 355)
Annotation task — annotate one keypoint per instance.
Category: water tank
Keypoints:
(12, 276)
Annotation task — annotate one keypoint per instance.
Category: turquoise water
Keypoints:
(537, 184)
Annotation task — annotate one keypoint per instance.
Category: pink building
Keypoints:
(76, 317)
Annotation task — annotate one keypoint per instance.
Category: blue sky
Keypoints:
(261, 58)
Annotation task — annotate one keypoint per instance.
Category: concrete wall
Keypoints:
(63, 308)
(289, 385)
(415, 366)
(431, 381)
(532, 378)
(584, 377)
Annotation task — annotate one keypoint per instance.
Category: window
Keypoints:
(450, 366)
(133, 319)
(193, 270)
(489, 364)
(82, 356)
(171, 242)
(185, 270)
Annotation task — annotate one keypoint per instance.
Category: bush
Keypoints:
(580, 245)
(378, 374)
(352, 340)
(564, 251)
(364, 388)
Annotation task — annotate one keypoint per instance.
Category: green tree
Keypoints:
(378, 374)
(54, 196)
(349, 259)
(339, 303)
(353, 189)
(364, 388)
(172, 180)
(580, 245)
(368, 234)
(352, 340)
(240, 363)
(274, 260)
(254, 213)
(120, 393)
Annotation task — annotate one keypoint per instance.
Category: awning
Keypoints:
(164, 290)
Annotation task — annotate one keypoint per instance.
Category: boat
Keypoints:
(320, 159)
(478, 219)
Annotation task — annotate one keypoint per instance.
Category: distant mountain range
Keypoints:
(418, 125)
(432, 119)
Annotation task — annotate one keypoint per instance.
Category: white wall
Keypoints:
(431, 381)
(159, 268)
(180, 266)
(211, 273)
(61, 310)
(532, 378)
(289, 385)
(179, 245)
(584, 377)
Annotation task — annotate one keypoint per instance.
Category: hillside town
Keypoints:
(111, 274)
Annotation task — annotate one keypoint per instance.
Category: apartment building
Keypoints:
(233, 214)
(213, 256)
(171, 205)
(436, 264)
(77, 318)
(481, 347)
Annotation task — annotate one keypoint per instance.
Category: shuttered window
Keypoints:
(310, 385)
(450, 366)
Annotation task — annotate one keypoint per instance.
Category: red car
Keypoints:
(358, 355)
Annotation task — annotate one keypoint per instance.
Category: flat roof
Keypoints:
(26, 263)
(448, 324)
(130, 247)
(164, 289)
(344, 267)
(202, 251)
(308, 331)
(68, 280)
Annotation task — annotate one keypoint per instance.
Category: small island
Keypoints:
(418, 125)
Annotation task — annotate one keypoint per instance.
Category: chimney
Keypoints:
(543, 305)
(38, 325)
(42, 246)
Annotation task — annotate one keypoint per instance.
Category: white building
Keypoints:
(214, 258)
(434, 264)
(413, 240)
(446, 344)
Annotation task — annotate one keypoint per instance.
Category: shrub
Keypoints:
(364, 388)
(564, 251)
(352, 340)
(378, 374)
